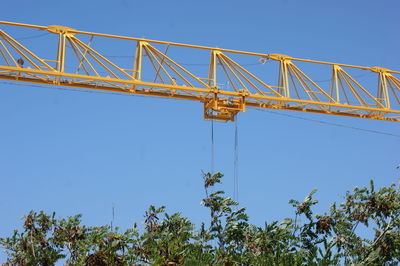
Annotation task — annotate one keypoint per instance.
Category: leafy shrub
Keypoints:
(227, 239)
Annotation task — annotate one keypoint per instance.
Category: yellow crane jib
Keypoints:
(226, 81)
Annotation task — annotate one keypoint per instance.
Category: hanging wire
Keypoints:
(180, 63)
(356, 76)
(32, 36)
(236, 164)
(113, 216)
(79, 90)
(329, 123)
(212, 146)
(212, 138)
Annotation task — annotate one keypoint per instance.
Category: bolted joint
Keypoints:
(244, 92)
(379, 69)
(60, 29)
(278, 57)
(214, 89)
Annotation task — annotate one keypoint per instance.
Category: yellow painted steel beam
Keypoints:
(295, 90)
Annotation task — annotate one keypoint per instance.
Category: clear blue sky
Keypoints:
(73, 152)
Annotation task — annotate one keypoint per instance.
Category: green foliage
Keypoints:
(36, 244)
(226, 239)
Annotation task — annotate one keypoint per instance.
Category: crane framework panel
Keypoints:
(223, 83)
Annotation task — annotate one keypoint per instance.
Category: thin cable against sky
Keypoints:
(260, 110)
(330, 123)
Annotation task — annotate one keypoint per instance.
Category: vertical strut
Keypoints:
(283, 79)
(335, 84)
(61, 52)
(137, 68)
(212, 74)
(383, 89)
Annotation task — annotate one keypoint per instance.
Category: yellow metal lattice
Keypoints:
(155, 73)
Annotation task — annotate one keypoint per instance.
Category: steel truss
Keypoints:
(153, 72)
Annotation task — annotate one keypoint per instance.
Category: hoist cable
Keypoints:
(236, 164)
(212, 146)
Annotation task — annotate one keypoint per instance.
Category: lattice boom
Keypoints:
(223, 84)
